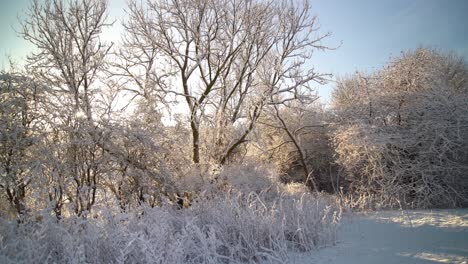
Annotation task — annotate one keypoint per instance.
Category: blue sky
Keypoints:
(371, 31)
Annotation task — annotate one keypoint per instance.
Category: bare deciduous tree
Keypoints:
(227, 60)
(69, 58)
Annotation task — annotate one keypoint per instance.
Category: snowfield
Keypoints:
(438, 236)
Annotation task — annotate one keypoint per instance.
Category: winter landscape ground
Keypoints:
(421, 236)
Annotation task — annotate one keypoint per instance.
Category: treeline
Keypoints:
(83, 125)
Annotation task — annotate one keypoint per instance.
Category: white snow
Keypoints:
(385, 237)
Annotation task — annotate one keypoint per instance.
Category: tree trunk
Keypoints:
(195, 140)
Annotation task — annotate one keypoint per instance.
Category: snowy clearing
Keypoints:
(439, 236)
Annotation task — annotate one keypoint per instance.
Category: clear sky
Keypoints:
(371, 31)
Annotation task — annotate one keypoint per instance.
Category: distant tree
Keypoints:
(296, 139)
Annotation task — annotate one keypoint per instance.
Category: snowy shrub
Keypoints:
(239, 177)
(247, 177)
(403, 138)
(232, 228)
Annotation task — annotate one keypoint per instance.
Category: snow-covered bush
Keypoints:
(403, 135)
(214, 179)
(247, 177)
(232, 228)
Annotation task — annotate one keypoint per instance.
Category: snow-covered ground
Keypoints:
(439, 236)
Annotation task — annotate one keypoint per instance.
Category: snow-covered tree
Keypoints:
(226, 60)
(20, 131)
(69, 58)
